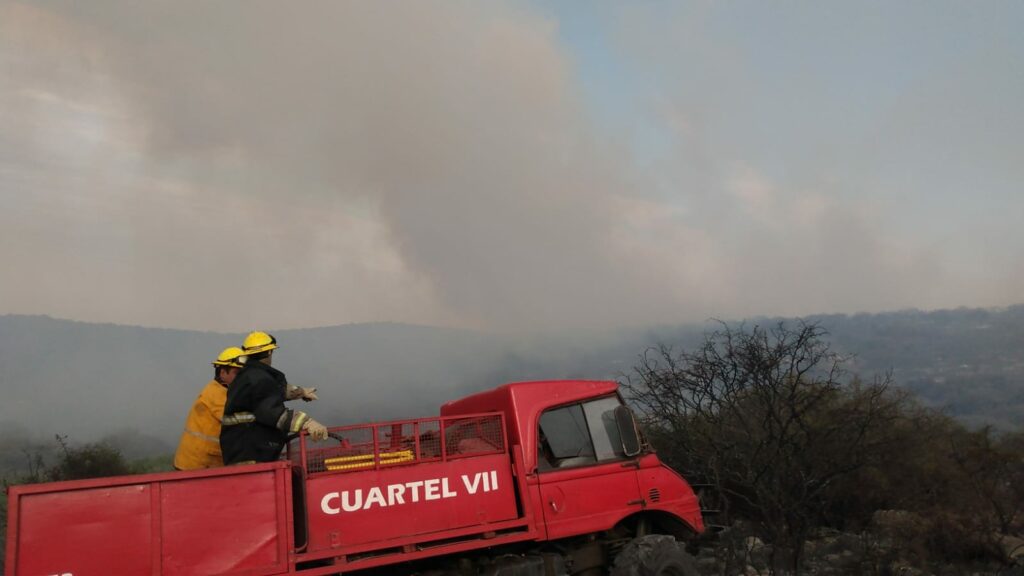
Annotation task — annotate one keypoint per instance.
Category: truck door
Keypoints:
(586, 482)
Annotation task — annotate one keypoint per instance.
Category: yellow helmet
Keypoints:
(233, 357)
(257, 342)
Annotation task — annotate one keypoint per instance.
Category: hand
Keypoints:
(308, 394)
(316, 430)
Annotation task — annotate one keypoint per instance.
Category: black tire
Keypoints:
(654, 555)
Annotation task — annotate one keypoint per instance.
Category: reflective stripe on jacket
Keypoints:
(200, 442)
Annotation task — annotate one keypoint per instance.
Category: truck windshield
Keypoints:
(581, 433)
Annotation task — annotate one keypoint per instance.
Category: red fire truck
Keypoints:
(530, 478)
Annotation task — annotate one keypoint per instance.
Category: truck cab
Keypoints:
(586, 465)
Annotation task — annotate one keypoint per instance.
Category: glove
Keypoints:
(316, 430)
(294, 392)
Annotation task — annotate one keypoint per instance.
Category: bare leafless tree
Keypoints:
(769, 418)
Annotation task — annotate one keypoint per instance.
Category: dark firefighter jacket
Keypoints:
(256, 423)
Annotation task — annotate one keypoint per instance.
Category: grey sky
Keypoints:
(506, 166)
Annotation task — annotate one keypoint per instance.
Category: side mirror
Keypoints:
(626, 423)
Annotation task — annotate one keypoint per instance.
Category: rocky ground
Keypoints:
(887, 550)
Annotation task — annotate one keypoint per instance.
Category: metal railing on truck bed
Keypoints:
(401, 442)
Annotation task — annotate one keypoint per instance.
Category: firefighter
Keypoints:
(199, 446)
(256, 423)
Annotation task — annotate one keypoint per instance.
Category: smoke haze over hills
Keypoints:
(90, 380)
(544, 183)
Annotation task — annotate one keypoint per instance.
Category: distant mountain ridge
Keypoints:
(86, 380)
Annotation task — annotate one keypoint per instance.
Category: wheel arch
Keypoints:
(657, 522)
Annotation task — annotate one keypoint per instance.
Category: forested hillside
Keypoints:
(968, 361)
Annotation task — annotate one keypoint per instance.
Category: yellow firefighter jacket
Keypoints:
(200, 442)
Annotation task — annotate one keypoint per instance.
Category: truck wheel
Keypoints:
(654, 555)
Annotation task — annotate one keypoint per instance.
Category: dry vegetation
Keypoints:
(790, 446)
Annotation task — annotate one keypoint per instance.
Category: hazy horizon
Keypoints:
(655, 325)
(87, 380)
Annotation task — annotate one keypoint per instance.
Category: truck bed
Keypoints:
(370, 495)
(222, 521)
